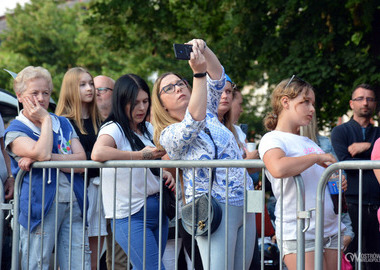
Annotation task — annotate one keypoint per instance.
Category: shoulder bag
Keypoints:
(200, 218)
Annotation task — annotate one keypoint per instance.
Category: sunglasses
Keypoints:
(293, 78)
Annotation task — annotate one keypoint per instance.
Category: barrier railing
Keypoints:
(319, 233)
(254, 201)
(2, 200)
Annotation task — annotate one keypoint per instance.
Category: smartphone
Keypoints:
(182, 51)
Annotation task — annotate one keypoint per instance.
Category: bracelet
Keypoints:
(200, 75)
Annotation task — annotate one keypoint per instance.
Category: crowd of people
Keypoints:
(100, 119)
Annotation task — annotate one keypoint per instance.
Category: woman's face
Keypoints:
(139, 111)
(174, 95)
(38, 88)
(86, 88)
(225, 100)
(236, 107)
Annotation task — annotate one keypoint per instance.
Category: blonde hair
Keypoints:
(290, 88)
(228, 121)
(160, 116)
(70, 104)
(311, 130)
(30, 73)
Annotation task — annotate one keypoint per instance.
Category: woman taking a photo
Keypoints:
(181, 117)
(77, 103)
(126, 135)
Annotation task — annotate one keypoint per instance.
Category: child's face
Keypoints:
(302, 107)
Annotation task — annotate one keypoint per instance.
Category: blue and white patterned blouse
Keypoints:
(187, 140)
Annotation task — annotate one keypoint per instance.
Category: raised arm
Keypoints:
(198, 101)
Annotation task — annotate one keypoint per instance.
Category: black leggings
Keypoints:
(186, 240)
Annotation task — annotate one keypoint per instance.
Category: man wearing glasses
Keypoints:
(104, 86)
(354, 140)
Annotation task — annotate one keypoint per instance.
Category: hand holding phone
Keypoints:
(182, 51)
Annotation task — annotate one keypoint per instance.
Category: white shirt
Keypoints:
(123, 177)
(295, 146)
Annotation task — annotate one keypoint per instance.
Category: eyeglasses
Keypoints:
(169, 89)
(368, 99)
(103, 90)
(292, 79)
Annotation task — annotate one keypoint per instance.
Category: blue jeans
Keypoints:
(137, 235)
(62, 248)
(235, 240)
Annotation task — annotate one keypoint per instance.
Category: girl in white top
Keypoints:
(287, 154)
(127, 136)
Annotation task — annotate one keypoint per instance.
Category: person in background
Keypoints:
(187, 127)
(77, 103)
(104, 86)
(236, 106)
(376, 156)
(126, 135)
(6, 175)
(286, 154)
(227, 116)
(36, 135)
(8, 182)
(354, 140)
(311, 131)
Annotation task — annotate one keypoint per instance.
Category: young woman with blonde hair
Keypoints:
(187, 127)
(77, 103)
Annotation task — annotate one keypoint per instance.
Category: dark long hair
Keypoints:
(125, 92)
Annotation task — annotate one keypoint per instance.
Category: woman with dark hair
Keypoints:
(126, 135)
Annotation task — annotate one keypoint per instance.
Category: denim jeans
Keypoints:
(235, 240)
(62, 248)
(137, 235)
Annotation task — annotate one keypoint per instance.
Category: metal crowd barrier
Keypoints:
(339, 166)
(254, 202)
(2, 200)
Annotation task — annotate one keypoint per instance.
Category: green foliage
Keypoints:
(52, 35)
(332, 44)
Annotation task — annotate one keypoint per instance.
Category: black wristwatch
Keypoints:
(199, 75)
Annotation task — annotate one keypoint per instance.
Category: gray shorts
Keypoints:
(290, 246)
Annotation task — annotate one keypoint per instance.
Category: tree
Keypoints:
(332, 44)
(52, 35)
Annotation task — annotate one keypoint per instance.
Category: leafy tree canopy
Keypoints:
(334, 45)
(52, 35)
